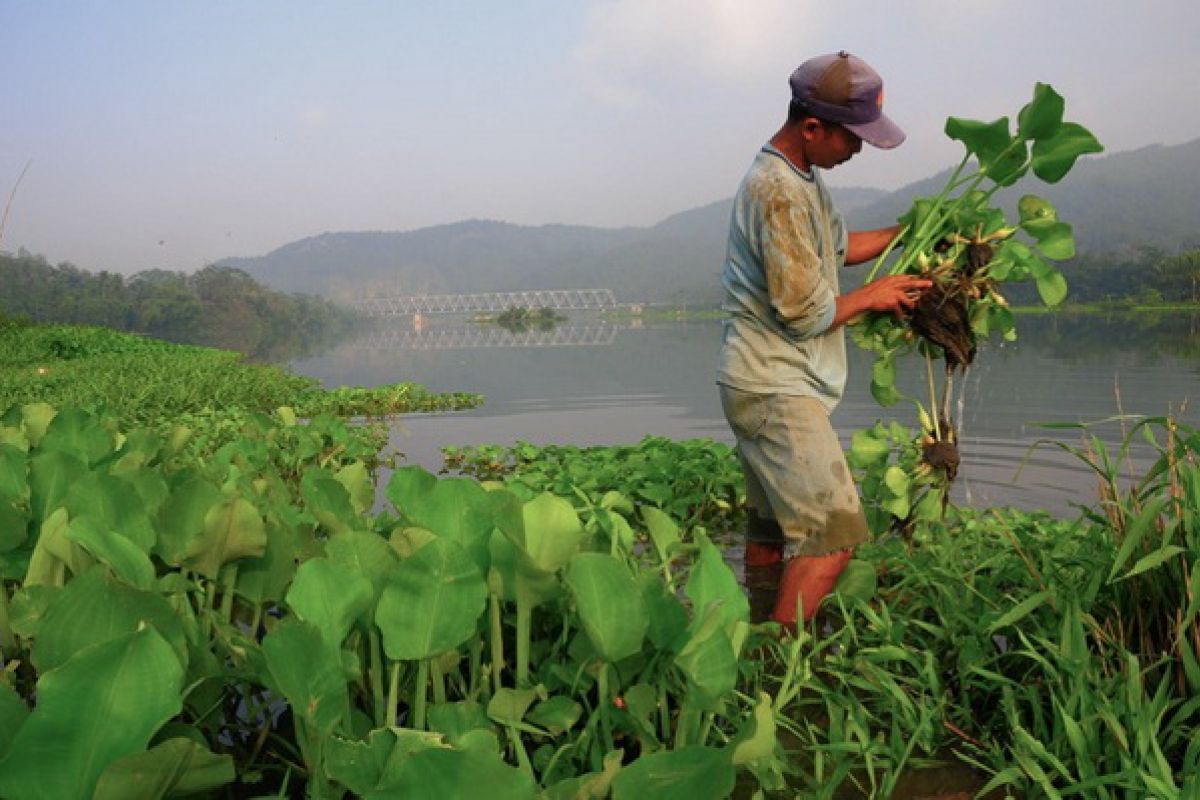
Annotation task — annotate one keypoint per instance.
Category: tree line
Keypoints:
(1145, 275)
(215, 306)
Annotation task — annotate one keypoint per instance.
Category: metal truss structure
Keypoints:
(557, 299)
(463, 337)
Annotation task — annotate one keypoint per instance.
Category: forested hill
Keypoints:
(1119, 204)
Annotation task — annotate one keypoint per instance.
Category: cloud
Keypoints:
(630, 46)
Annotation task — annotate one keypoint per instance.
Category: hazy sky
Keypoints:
(171, 134)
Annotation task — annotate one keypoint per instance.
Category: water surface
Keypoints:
(595, 382)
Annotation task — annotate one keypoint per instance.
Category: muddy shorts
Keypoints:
(796, 472)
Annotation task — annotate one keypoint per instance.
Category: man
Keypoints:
(783, 360)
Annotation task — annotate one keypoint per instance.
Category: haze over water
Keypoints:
(592, 382)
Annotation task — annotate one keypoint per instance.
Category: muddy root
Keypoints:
(940, 317)
(943, 456)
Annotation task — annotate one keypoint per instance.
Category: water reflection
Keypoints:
(592, 382)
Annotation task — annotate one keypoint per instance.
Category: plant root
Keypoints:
(940, 317)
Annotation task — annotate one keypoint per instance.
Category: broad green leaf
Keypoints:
(688, 773)
(712, 582)
(359, 485)
(709, 661)
(115, 504)
(456, 508)
(858, 580)
(440, 774)
(552, 532)
(176, 767)
(365, 553)
(431, 603)
(329, 596)
(232, 530)
(181, 518)
(455, 720)
(102, 705)
(663, 532)
(1052, 287)
(93, 609)
(866, 449)
(359, 766)
(329, 501)
(999, 154)
(308, 674)
(1053, 157)
(13, 713)
(508, 706)
(609, 604)
(14, 527)
(557, 715)
(266, 578)
(1043, 116)
(898, 503)
(35, 419)
(127, 560)
(668, 619)
(14, 474)
(757, 740)
(51, 476)
(78, 433)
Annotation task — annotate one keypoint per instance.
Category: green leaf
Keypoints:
(708, 661)
(359, 766)
(1053, 157)
(181, 518)
(663, 532)
(359, 484)
(1155, 559)
(1052, 287)
(366, 554)
(713, 583)
(688, 773)
(1020, 611)
(866, 449)
(78, 433)
(308, 674)
(127, 561)
(557, 714)
(668, 618)
(102, 705)
(431, 603)
(93, 609)
(552, 532)
(1000, 155)
(1043, 116)
(858, 581)
(456, 508)
(440, 774)
(757, 740)
(176, 767)
(508, 706)
(609, 604)
(329, 596)
(232, 530)
(13, 713)
(266, 578)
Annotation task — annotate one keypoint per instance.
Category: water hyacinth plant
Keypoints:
(970, 248)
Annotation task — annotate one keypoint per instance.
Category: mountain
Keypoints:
(1119, 202)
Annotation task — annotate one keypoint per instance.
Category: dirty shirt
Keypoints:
(786, 243)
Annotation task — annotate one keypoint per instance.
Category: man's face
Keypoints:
(832, 144)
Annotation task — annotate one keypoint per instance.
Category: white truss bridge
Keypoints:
(557, 299)
(465, 337)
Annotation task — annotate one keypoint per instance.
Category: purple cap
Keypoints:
(844, 89)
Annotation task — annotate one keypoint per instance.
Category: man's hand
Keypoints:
(896, 294)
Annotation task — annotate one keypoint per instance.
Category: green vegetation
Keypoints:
(216, 306)
(520, 319)
(968, 249)
(148, 381)
(696, 482)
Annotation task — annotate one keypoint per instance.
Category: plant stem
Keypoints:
(497, 642)
(393, 701)
(937, 425)
(230, 575)
(524, 623)
(8, 642)
(604, 706)
(376, 678)
(420, 690)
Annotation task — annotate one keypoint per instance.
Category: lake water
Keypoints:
(596, 382)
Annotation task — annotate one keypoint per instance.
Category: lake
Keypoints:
(591, 381)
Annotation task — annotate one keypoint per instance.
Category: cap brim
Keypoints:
(881, 133)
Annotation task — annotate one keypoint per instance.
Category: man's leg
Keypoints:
(802, 470)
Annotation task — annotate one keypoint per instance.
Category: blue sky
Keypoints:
(171, 134)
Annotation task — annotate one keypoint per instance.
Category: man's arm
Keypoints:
(895, 293)
(867, 245)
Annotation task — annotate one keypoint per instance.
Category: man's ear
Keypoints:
(810, 127)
